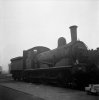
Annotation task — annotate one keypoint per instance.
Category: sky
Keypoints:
(28, 23)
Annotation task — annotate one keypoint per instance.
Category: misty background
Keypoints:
(28, 23)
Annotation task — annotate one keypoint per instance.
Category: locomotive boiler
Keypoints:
(64, 54)
(65, 64)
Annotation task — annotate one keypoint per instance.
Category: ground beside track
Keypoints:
(48, 92)
(11, 94)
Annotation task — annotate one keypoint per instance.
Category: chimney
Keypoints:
(73, 30)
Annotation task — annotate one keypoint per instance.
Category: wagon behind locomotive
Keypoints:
(17, 67)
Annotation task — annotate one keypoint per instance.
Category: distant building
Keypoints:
(0, 69)
(9, 67)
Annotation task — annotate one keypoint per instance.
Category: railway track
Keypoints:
(43, 92)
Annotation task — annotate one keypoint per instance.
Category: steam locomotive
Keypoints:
(64, 65)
